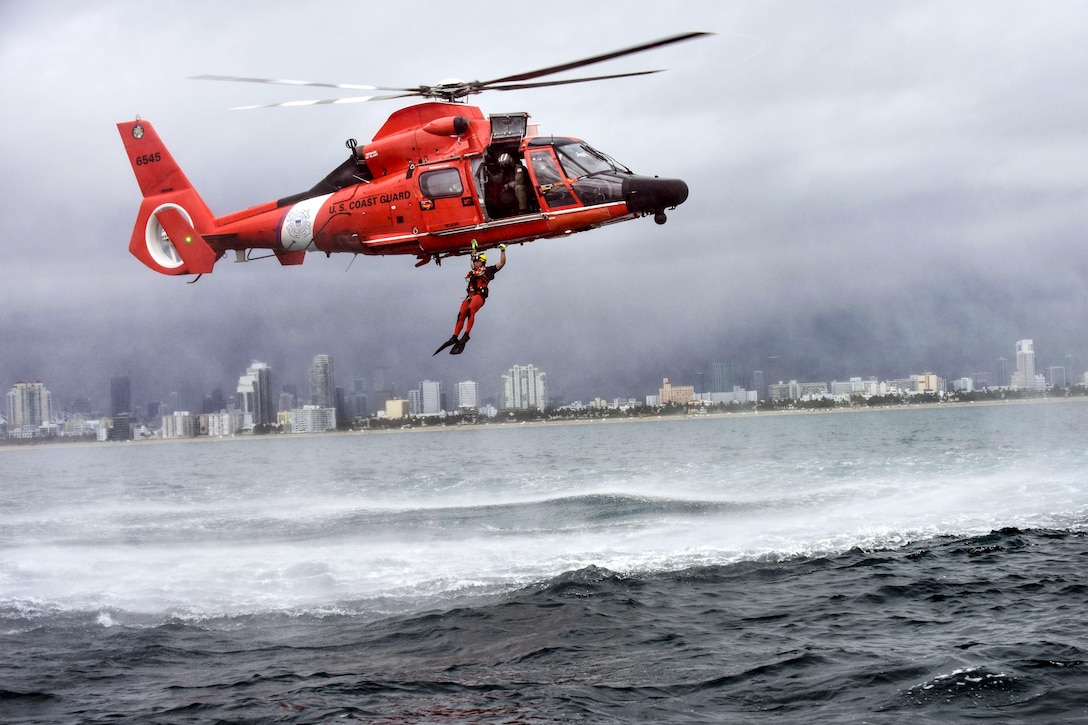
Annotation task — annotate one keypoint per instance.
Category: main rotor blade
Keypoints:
(286, 82)
(324, 101)
(459, 90)
(568, 81)
(595, 59)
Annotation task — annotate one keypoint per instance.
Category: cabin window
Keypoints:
(441, 183)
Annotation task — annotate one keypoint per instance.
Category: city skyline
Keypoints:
(72, 388)
(866, 199)
(256, 389)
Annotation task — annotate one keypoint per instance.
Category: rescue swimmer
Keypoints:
(478, 278)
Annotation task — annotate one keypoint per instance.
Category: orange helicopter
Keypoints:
(439, 179)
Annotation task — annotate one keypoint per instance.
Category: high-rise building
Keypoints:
(255, 396)
(312, 419)
(758, 384)
(291, 391)
(342, 405)
(380, 380)
(123, 424)
(120, 395)
(381, 388)
(722, 378)
(1056, 376)
(357, 399)
(397, 409)
(322, 382)
(179, 424)
(30, 407)
(468, 395)
(670, 393)
(432, 398)
(963, 385)
(525, 387)
(1024, 377)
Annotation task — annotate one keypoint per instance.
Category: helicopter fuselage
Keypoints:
(436, 177)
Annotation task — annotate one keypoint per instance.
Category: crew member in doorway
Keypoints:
(478, 279)
(515, 185)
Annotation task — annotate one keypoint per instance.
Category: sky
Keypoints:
(877, 189)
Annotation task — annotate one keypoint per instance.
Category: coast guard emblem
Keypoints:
(299, 225)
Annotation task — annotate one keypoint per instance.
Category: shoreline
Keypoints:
(48, 444)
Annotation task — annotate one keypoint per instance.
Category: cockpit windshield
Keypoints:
(587, 177)
(580, 160)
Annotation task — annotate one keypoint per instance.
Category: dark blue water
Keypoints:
(887, 566)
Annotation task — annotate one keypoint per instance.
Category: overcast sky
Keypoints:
(877, 188)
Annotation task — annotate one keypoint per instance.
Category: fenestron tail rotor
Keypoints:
(456, 90)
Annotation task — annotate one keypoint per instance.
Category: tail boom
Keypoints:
(168, 236)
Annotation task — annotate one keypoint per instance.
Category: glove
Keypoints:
(502, 247)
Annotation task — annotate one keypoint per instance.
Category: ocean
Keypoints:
(922, 565)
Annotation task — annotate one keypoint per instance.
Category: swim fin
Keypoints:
(452, 341)
(460, 346)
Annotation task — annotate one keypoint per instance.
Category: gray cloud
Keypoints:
(877, 189)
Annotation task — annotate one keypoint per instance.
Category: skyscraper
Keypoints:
(124, 423)
(291, 393)
(357, 399)
(1056, 376)
(380, 380)
(431, 397)
(120, 395)
(525, 387)
(322, 382)
(29, 407)
(340, 396)
(255, 396)
(722, 379)
(757, 384)
(381, 388)
(468, 395)
(1024, 376)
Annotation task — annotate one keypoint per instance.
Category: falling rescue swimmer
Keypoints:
(369, 201)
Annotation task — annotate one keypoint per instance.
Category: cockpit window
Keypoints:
(581, 160)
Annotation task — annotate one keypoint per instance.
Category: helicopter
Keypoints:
(440, 178)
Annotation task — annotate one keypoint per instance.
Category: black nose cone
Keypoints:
(646, 194)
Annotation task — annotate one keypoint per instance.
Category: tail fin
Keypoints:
(167, 237)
